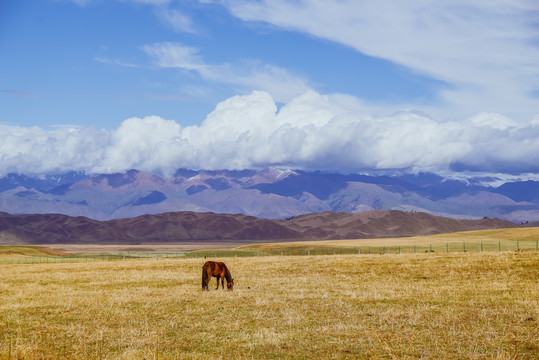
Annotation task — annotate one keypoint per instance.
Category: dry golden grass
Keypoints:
(90, 249)
(28, 251)
(529, 235)
(473, 306)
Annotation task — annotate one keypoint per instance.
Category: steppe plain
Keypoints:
(474, 305)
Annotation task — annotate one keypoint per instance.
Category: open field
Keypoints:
(472, 305)
(28, 251)
(86, 249)
(516, 234)
(481, 240)
(183, 246)
(471, 241)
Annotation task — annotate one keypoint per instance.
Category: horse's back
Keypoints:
(214, 266)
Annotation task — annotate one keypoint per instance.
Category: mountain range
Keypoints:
(267, 194)
(177, 227)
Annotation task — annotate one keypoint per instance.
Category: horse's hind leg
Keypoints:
(205, 280)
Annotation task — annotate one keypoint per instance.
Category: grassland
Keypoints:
(28, 251)
(456, 306)
(504, 235)
(483, 240)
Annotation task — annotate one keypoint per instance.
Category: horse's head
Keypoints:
(230, 285)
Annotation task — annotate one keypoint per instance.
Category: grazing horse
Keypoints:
(218, 270)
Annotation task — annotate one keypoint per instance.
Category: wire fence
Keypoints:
(88, 258)
(448, 247)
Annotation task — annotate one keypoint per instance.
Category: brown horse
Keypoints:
(218, 270)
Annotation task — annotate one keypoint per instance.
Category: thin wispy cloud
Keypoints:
(486, 51)
(174, 55)
(282, 84)
(116, 62)
(176, 20)
(19, 93)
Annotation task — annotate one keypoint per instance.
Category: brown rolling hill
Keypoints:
(192, 226)
(384, 224)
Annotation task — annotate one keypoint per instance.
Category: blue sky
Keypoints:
(453, 70)
(84, 64)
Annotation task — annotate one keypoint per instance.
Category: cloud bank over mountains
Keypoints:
(310, 132)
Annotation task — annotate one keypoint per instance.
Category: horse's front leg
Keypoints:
(217, 288)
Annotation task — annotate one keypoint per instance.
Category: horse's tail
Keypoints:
(204, 277)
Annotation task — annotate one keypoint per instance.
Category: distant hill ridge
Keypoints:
(192, 226)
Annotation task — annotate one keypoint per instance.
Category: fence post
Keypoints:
(446, 247)
(518, 246)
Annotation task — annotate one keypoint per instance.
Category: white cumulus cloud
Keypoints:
(312, 132)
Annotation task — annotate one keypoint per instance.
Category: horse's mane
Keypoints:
(228, 276)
